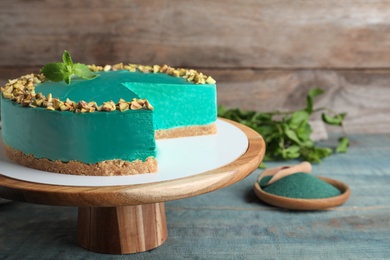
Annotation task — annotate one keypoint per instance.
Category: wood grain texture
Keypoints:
(232, 223)
(122, 230)
(364, 95)
(230, 34)
(265, 54)
(142, 193)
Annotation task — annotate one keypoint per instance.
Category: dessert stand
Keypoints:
(125, 219)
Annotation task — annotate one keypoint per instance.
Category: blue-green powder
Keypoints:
(300, 185)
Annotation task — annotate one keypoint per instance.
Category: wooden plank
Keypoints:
(363, 94)
(232, 223)
(220, 34)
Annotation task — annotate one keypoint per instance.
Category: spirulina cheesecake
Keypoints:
(106, 125)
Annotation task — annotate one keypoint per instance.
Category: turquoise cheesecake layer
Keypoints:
(179, 105)
(176, 102)
(106, 86)
(89, 137)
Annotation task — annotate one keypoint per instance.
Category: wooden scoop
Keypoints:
(283, 171)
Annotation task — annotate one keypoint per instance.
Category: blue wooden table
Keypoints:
(233, 224)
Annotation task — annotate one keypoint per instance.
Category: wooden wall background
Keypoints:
(264, 54)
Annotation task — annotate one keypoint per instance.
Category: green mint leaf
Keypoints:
(292, 152)
(333, 120)
(343, 145)
(66, 59)
(291, 134)
(67, 77)
(262, 117)
(54, 71)
(323, 152)
(304, 132)
(57, 71)
(308, 143)
(83, 71)
(298, 119)
(221, 110)
(315, 154)
(268, 132)
(313, 93)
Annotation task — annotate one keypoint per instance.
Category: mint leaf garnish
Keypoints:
(67, 77)
(82, 71)
(65, 71)
(66, 59)
(54, 71)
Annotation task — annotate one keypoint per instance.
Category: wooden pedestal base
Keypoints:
(122, 230)
(128, 219)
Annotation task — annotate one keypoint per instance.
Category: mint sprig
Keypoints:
(287, 134)
(66, 70)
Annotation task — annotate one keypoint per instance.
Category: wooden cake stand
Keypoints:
(131, 218)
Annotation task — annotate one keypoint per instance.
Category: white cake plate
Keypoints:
(177, 158)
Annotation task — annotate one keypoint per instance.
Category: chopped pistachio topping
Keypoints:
(22, 90)
(189, 74)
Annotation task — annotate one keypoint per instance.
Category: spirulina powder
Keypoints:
(300, 185)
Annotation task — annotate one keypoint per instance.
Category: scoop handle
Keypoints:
(283, 171)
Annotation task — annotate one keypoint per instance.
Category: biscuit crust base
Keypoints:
(186, 131)
(109, 167)
(105, 168)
